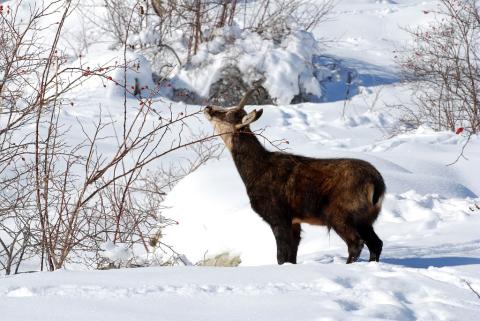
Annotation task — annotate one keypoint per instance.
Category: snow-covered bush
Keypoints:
(195, 42)
(285, 69)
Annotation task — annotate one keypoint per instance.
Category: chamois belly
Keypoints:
(308, 207)
(309, 220)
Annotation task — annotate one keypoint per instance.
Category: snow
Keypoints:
(364, 291)
(138, 73)
(429, 222)
(116, 253)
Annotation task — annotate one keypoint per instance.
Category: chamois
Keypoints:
(344, 194)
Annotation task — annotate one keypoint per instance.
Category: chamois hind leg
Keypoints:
(374, 243)
(296, 231)
(284, 238)
(353, 240)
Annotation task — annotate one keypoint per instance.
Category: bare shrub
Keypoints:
(136, 219)
(62, 199)
(195, 19)
(443, 65)
(117, 18)
(198, 19)
(277, 18)
(28, 73)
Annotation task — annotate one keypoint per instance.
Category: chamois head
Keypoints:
(228, 121)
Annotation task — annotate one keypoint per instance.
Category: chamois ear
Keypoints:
(206, 111)
(250, 118)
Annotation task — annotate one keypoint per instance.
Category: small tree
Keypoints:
(444, 66)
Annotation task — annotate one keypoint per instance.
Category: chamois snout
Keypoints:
(207, 112)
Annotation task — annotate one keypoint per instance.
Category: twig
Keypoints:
(462, 151)
(471, 288)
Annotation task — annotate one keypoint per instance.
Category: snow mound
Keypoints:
(285, 67)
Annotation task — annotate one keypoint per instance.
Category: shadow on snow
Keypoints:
(425, 262)
(348, 75)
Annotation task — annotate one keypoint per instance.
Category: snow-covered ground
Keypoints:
(430, 221)
(363, 291)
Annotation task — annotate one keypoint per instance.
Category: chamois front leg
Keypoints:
(284, 238)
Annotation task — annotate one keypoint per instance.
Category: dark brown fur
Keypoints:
(284, 189)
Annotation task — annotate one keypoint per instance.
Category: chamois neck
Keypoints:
(249, 155)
